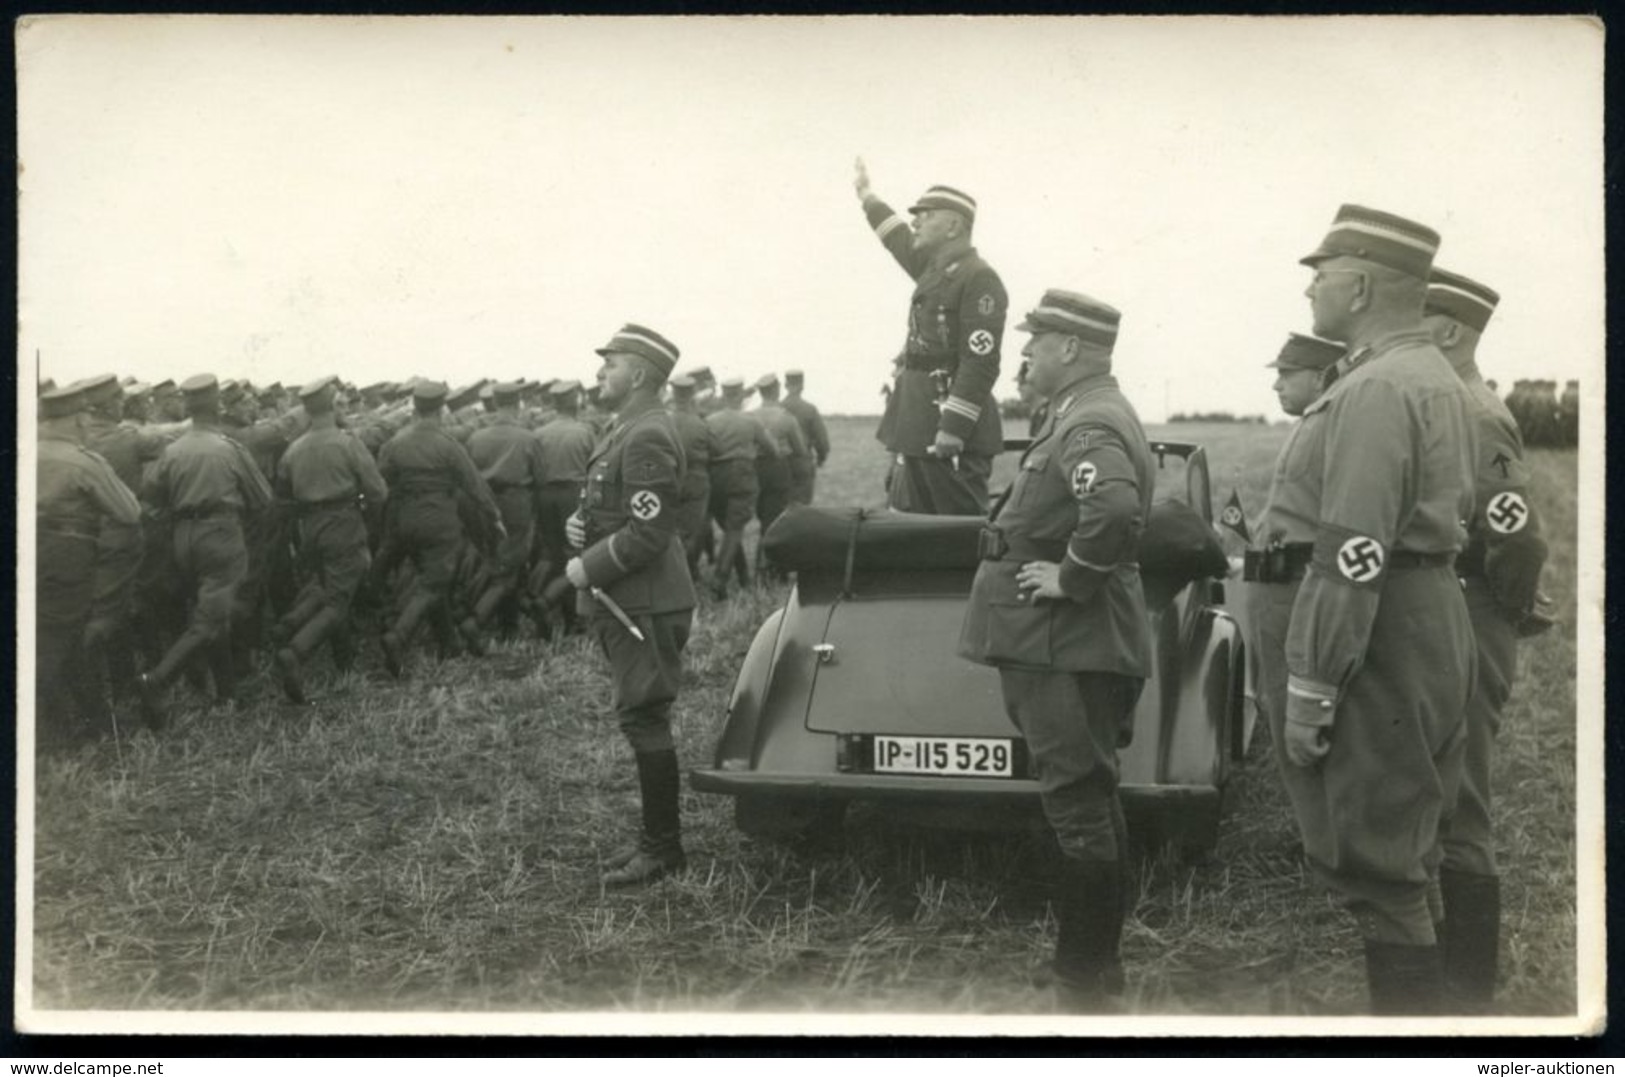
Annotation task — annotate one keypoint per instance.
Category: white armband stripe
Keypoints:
(888, 226)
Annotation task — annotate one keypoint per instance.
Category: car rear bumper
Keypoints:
(890, 787)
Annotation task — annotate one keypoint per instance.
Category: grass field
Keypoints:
(434, 845)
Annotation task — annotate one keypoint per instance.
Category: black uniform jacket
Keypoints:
(629, 506)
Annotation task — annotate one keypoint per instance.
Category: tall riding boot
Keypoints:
(398, 638)
(1471, 941)
(446, 638)
(343, 646)
(660, 848)
(1404, 979)
(151, 685)
(309, 604)
(289, 659)
(723, 566)
(1088, 968)
(223, 664)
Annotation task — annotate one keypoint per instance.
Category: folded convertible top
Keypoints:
(1178, 545)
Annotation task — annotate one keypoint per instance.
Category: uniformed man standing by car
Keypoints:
(805, 482)
(427, 470)
(1379, 650)
(633, 580)
(77, 494)
(1058, 607)
(323, 476)
(209, 485)
(942, 421)
(1286, 529)
(1500, 572)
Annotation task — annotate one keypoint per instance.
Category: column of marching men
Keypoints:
(205, 532)
(1396, 563)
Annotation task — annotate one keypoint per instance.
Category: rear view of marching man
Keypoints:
(1500, 572)
(324, 474)
(632, 575)
(1057, 606)
(1379, 650)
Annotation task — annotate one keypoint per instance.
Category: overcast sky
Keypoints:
(279, 198)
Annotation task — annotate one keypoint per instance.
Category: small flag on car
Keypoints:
(1234, 518)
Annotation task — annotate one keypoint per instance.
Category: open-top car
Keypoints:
(853, 690)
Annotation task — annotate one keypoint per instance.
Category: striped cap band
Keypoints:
(644, 342)
(940, 197)
(1461, 298)
(1379, 237)
(1075, 314)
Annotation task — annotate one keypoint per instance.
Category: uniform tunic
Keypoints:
(1379, 624)
(207, 482)
(323, 473)
(804, 483)
(775, 473)
(736, 439)
(127, 450)
(1071, 670)
(566, 443)
(633, 552)
(949, 364)
(77, 494)
(427, 471)
(692, 500)
(509, 458)
(1500, 572)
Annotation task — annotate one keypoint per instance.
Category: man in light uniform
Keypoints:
(942, 423)
(509, 459)
(1057, 606)
(78, 494)
(1500, 570)
(805, 481)
(567, 442)
(631, 556)
(323, 476)
(776, 475)
(1286, 529)
(213, 492)
(737, 439)
(695, 433)
(427, 471)
(1379, 649)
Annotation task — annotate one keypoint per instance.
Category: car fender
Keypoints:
(736, 747)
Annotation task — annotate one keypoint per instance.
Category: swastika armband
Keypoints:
(644, 504)
(1083, 478)
(1507, 512)
(1350, 558)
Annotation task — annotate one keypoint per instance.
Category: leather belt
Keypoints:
(992, 544)
(1287, 562)
(204, 512)
(1399, 560)
(303, 507)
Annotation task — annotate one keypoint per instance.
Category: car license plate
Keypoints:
(984, 757)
